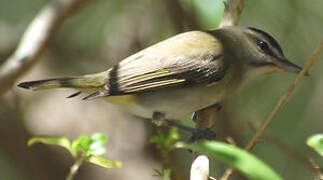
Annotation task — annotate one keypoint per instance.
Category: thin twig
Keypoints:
(231, 141)
(35, 39)
(284, 148)
(75, 167)
(232, 12)
(228, 171)
(318, 171)
(283, 100)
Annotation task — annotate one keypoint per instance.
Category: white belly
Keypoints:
(175, 103)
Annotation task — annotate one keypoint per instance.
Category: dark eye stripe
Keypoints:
(269, 38)
(264, 47)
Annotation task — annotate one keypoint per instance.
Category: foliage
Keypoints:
(165, 145)
(316, 142)
(84, 148)
(240, 159)
(165, 142)
(245, 162)
(163, 173)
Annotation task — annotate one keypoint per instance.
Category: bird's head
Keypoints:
(258, 51)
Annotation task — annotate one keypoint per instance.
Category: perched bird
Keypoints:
(182, 74)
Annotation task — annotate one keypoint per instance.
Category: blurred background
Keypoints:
(106, 31)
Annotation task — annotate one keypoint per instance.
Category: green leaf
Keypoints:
(316, 142)
(173, 136)
(104, 162)
(82, 143)
(164, 141)
(163, 173)
(158, 139)
(99, 138)
(97, 146)
(93, 145)
(98, 151)
(243, 161)
(59, 141)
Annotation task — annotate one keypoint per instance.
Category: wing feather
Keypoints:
(154, 69)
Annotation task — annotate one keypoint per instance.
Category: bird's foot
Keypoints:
(199, 134)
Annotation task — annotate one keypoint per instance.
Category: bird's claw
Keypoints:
(199, 134)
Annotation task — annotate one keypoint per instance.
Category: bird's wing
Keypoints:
(156, 68)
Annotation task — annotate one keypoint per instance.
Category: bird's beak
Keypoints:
(287, 66)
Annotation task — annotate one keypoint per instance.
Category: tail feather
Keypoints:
(74, 94)
(86, 81)
(47, 83)
(97, 94)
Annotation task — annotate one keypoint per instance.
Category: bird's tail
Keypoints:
(86, 81)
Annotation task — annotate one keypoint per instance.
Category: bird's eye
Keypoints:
(263, 46)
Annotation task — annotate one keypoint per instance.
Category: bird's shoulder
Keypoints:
(191, 44)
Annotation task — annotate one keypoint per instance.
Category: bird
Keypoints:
(182, 74)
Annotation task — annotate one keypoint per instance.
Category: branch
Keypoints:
(205, 118)
(232, 12)
(35, 39)
(317, 169)
(75, 167)
(285, 149)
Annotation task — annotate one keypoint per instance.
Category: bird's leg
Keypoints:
(204, 120)
(196, 133)
(159, 119)
(216, 107)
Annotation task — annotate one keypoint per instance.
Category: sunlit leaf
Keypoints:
(82, 143)
(99, 138)
(104, 162)
(94, 145)
(98, 151)
(316, 142)
(97, 147)
(243, 161)
(59, 141)
(173, 136)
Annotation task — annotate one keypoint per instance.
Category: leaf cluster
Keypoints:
(90, 148)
